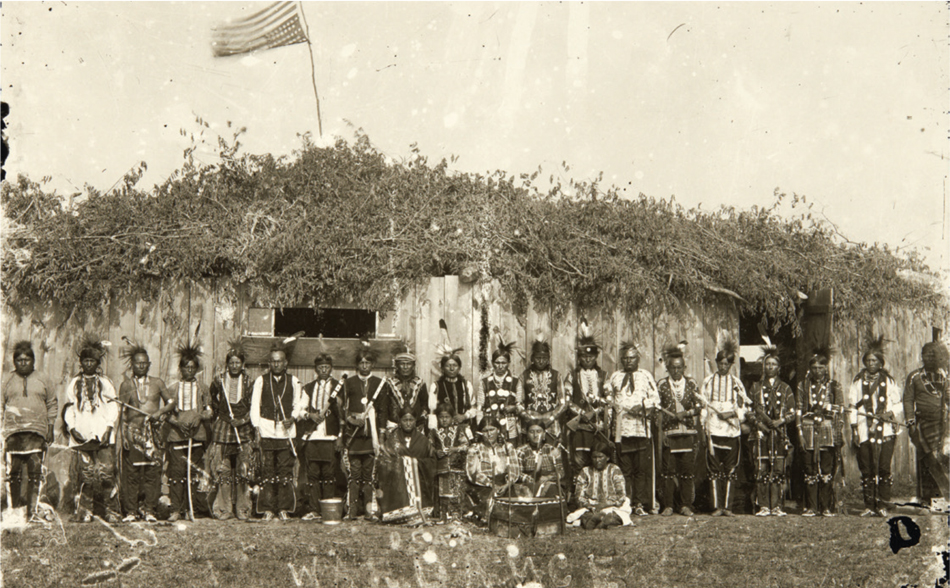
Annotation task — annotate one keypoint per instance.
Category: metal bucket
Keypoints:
(331, 509)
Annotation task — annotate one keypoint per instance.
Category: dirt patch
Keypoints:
(703, 551)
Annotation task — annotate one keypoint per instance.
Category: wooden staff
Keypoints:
(191, 506)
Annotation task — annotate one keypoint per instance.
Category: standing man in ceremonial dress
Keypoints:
(725, 408)
(498, 399)
(236, 447)
(364, 417)
(29, 416)
(927, 408)
(141, 453)
(875, 407)
(186, 436)
(588, 401)
(452, 389)
(819, 421)
(773, 407)
(272, 404)
(542, 393)
(633, 395)
(90, 417)
(318, 429)
(680, 404)
(407, 392)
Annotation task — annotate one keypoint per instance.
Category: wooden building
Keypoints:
(226, 313)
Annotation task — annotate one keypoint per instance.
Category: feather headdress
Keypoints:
(673, 351)
(236, 349)
(769, 349)
(287, 344)
(820, 354)
(131, 350)
(585, 339)
(728, 349)
(322, 358)
(365, 351)
(92, 346)
(540, 346)
(875, 348)
(445, 348)
(503, 349)
(190, 350)
(627, 345)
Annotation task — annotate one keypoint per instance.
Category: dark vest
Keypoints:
(270, 405)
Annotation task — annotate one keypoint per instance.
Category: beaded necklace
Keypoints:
(139, 386)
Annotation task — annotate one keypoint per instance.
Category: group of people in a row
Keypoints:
(605, 447)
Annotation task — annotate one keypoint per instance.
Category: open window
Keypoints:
(341, 329)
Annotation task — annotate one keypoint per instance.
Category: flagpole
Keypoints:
(313, 69)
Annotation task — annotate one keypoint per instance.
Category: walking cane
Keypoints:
(191, 506)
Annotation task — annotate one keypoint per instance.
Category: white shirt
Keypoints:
(92, 418)
(725, 394)
(640, 391)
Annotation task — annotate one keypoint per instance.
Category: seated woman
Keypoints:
(450, 442)
(601, 494)
(491, 467)
(542, 469)
(405, 474)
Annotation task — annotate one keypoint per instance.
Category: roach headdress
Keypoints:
(540, 346)
(236, 349)
(92, 346)
(673, 351)
(875, 348)
(365, 351)
(626, 346)
(820, 354)
(190, 350)
(585, 339)
(727, 349)
(131, 350)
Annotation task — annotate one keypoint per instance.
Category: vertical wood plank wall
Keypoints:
(163, 324)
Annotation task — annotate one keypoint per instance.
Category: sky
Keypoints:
(711, 103)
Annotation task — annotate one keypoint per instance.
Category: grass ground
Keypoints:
(670, 552)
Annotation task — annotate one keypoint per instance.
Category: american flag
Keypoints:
(277, 25)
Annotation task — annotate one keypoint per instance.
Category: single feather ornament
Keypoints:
(445, 348)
